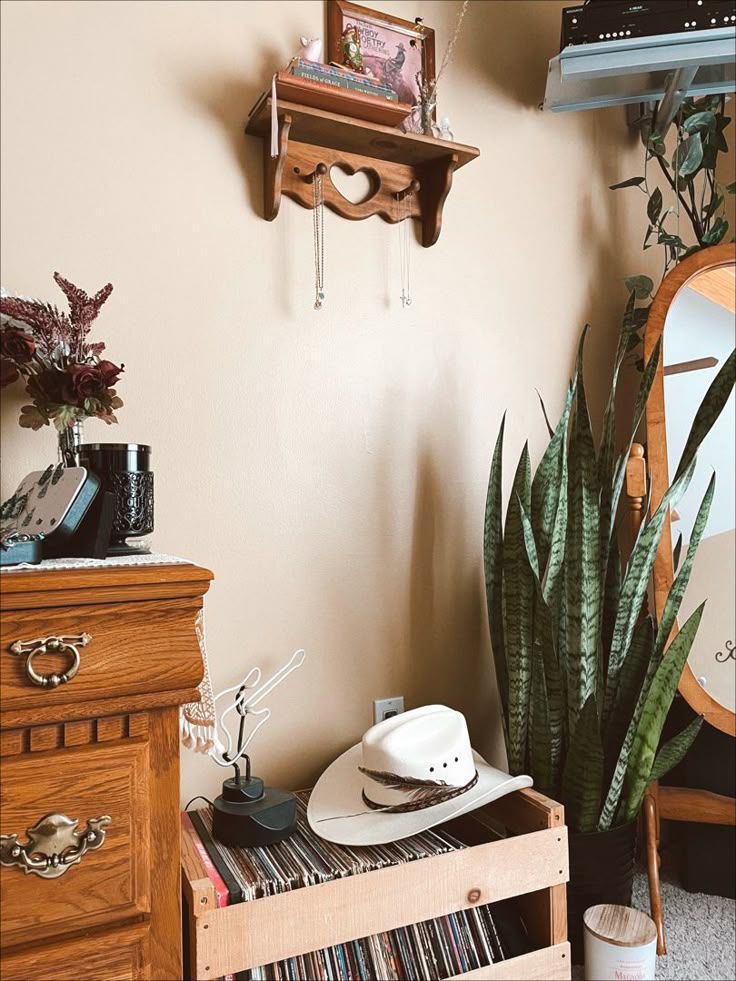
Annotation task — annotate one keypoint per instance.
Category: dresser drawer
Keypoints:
(112, 955)
(110, 883)
(131, 647)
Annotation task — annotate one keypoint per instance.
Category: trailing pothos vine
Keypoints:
(690, 176)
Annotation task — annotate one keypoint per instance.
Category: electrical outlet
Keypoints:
(387, 708)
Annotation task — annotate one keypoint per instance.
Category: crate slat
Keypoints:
(266, 930)
(548, 964)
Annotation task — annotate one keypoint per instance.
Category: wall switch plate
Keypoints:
(387, 708)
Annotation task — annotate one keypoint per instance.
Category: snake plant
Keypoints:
(585, 674)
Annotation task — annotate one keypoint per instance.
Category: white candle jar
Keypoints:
(620, 944)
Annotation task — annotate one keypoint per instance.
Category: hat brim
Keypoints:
(337, 812)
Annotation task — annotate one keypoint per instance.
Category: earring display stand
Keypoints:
(313, 139)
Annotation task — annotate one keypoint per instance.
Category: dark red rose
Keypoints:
(17, 345)
(48, 386)
(8, 372)
(109, 372)
(83, 381)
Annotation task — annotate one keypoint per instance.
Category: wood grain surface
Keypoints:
(105, 743)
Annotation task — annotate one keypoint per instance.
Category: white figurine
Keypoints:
(311, 49)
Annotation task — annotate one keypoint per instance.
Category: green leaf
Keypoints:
(640, 286)
(615, 787)
(582, 779)
(546, 486)
(675, 750)
(582, 555)
(713, 205)
(678, 587)
(636, 581)
(731, 188)
(659, 699)
(716, 233)
(710, 408)
(692, 157)
(630, 682)
(676, 553)
(654, 206)
(550, 430)
(541, 755)
(631, 182)
(546, 744)
(656, 145)
(518, 597)
(493, 565)
(700, 122)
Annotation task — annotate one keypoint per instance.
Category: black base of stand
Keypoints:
(247, 813)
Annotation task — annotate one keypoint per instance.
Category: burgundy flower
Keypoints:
(17, 345)
(83, 381)
(8, 372)
(48, 386)
(109, 372)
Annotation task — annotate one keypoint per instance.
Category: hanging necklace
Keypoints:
(318, 214)
(405, 208)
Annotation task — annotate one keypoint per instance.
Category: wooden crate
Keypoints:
(530, 862)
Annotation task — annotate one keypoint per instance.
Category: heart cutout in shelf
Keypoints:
(356, 186)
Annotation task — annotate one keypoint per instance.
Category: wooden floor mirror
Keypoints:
(694, 311)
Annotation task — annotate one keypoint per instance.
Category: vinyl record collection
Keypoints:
(436, 949)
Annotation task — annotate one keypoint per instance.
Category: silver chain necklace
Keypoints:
(318, 214)
(405, 207)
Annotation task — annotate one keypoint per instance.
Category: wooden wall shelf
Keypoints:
(393, 161)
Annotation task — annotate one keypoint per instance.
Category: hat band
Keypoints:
(428, 796)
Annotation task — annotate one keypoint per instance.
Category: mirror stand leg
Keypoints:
(651, 838)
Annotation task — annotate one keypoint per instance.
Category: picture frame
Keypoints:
(393, 50)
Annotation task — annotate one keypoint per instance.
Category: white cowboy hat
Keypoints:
(408, 774)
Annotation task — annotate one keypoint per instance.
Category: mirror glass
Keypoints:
(700, 333)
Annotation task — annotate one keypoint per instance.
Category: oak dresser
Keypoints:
(94, 663)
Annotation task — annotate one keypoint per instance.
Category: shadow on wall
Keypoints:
(511, 43)
(228, 100)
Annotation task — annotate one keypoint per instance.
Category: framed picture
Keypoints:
(390, 49)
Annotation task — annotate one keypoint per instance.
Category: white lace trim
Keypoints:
(155, 558)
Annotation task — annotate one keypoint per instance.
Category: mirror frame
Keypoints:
(712, 258)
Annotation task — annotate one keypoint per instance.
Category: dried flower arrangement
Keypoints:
(65, 376)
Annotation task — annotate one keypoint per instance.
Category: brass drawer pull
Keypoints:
(53, 845)
(51, 645)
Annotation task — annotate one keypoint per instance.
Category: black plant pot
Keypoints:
(601, 871)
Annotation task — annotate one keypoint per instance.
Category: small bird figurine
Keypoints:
(311, 49)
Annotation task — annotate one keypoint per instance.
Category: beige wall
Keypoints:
(329, 467)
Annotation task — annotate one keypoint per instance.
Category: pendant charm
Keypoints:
(320, 299)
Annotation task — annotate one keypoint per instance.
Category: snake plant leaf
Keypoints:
(636, 580)
(645, 387)
(677, 553)
(541, 755)
(657, 705)
(518, 598)
(583, 774)
(630, 683)
(675, 749)
(548, 424)
(611, 593)
(547, 745)
(493, 566)
(546, 486)
(710, 408)
(582, 552)
(615, 786)
(678, 587)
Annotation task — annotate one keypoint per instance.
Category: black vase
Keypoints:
(601, 871)
(125, 471)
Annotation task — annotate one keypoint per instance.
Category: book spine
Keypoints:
(222, 897)
(346, 83)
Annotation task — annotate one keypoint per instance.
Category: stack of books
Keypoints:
(343, 78)
(435, 949)
(339, 90)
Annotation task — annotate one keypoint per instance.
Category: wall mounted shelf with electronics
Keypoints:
(395, 163)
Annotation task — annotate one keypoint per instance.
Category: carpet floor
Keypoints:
(701, 933)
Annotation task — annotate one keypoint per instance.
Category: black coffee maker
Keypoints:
(125, 471)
